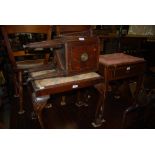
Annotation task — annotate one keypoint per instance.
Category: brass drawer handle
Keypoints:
(84, 57)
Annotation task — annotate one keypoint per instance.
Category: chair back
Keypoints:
(16, 31)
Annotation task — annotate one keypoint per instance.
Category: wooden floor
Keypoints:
(71, 116)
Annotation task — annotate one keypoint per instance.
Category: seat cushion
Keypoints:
(27, 64)
(60, 80)
(118, 59)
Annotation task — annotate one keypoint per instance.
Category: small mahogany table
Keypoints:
(119, 66)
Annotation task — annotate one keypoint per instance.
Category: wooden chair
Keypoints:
(134, 116)
(67, 30)
(20, 66)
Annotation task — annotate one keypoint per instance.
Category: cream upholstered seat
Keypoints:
(61, 80)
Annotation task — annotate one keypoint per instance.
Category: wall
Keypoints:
(141, 30)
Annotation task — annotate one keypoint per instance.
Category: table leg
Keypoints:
(99, 120)
(39, 104)
(138, 87)
(102, 100)
(81, 100)
(15, 83)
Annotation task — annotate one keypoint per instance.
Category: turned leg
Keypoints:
(16, 85)
(39, 104)
(63, 101)
(81, 99)
(79, 103)
(21, 109)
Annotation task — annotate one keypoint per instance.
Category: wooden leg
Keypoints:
(138, 87)
(81, 100)
(63, 101)
(38, 109)
(47, 55)
(99, 120)
(21, 109)
(39, 104)
(16, 85)
(79, 103)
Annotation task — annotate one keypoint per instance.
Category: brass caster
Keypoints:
(15, 96)
(48, 106)
(98, 122)
(80, 104)
(21, 112)
(33, 116)
(63, 103)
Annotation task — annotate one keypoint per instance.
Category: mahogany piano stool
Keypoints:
(43, 88)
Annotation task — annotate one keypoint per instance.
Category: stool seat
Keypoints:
(118, 59)
(62, 80)
(43, 88)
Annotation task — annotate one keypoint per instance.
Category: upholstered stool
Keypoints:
(43, 88)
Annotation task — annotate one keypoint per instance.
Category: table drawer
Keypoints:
(118, 72)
